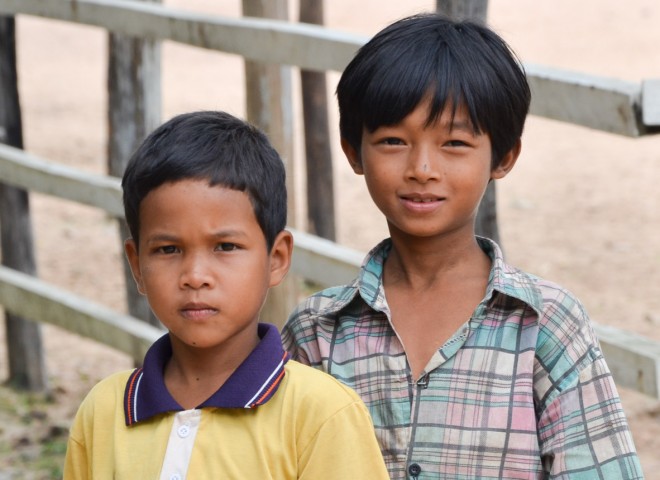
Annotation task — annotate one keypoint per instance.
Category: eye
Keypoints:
(167, 249)
(227, 246)
(456, 143)
(391, 141)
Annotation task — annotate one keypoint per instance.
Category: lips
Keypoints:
(197, 311)
(421, 203)
(421, 197)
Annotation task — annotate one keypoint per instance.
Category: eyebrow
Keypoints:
(166, 237)
(462, 125)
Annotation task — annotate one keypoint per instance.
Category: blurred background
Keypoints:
(581, 207)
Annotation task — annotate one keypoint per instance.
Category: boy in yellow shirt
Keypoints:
(217, 396)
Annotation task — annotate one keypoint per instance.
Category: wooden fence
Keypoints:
(626, 108)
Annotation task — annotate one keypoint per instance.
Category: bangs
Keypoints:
(397, 87)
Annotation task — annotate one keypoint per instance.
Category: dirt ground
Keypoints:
(581, 207)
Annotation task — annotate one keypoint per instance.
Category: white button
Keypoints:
(175, 476)
(183, 431)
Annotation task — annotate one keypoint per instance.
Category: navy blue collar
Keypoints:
(252, 384)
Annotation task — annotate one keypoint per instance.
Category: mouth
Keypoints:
(423, 200)
(197, 311)
(420, 197)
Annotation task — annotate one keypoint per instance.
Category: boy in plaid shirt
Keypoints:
(470, 367)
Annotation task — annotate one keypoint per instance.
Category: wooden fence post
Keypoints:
(27, 369)
(134, 97)
(269, 106)
(318, 154)
(486, 223)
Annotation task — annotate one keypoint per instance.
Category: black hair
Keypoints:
(454, 63)
(213, 146)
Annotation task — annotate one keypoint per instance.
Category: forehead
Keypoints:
(428, 114)
(194, 204)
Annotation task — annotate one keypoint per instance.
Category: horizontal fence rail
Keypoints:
(591, 101)
(34, 299)
(633, 359)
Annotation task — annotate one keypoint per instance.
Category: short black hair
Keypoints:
(454, 63)
(213, 146)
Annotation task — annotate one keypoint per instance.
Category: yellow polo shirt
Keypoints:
(311, 427)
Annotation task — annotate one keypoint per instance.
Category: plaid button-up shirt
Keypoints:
(521, 390)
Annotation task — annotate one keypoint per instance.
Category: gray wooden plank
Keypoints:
(37, 300)
(587, 100)
(22, 169)
(633, 359)
(596, 102)
(651, 102)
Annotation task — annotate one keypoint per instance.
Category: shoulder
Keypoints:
(105, 395)
(552, 302)
(317, 312)
(100, 406)
(317, 403)
(326, 301)
(562, 318)
(317, 397)
(330, 423)
(312, 385)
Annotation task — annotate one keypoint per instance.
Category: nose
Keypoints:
(422, 165)
(196, 272)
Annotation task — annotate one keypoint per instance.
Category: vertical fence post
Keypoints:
(269, 106)
(486, 223)
(318, 154)
(134, 110)
(27, 369)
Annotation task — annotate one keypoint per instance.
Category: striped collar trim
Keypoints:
(253, 383)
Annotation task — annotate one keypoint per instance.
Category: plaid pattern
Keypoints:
(520, 391)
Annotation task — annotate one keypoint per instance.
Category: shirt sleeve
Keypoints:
(584, 432)
(582, 428)
(76, 464)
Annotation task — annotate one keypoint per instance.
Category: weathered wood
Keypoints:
(651, 102)
(269, 106)
(40, 301)
(477, 11)
(21, 169)
(134, 96)
(254, 38)
(27, 368)
(318, 153)
(322, 261)
(25, 170)
(587, 100)
(601, 103)
(633, 359)
(470, 9)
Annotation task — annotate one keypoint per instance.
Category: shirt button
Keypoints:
(175, 476)
(414, 469)
(183, 431)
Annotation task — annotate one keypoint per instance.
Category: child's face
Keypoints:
(427, 181)
(203, 263)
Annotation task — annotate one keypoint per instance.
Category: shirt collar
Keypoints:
(504, 279)
(253, 383)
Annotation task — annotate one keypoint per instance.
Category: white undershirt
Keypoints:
(180, 445)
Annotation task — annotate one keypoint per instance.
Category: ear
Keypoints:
(507, 163)
(280, 257)
(353, 156)
(131, 250)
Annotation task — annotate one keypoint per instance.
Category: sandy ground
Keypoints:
(581, 207)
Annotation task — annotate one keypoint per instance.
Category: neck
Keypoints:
(425, 262)
(193, 374)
